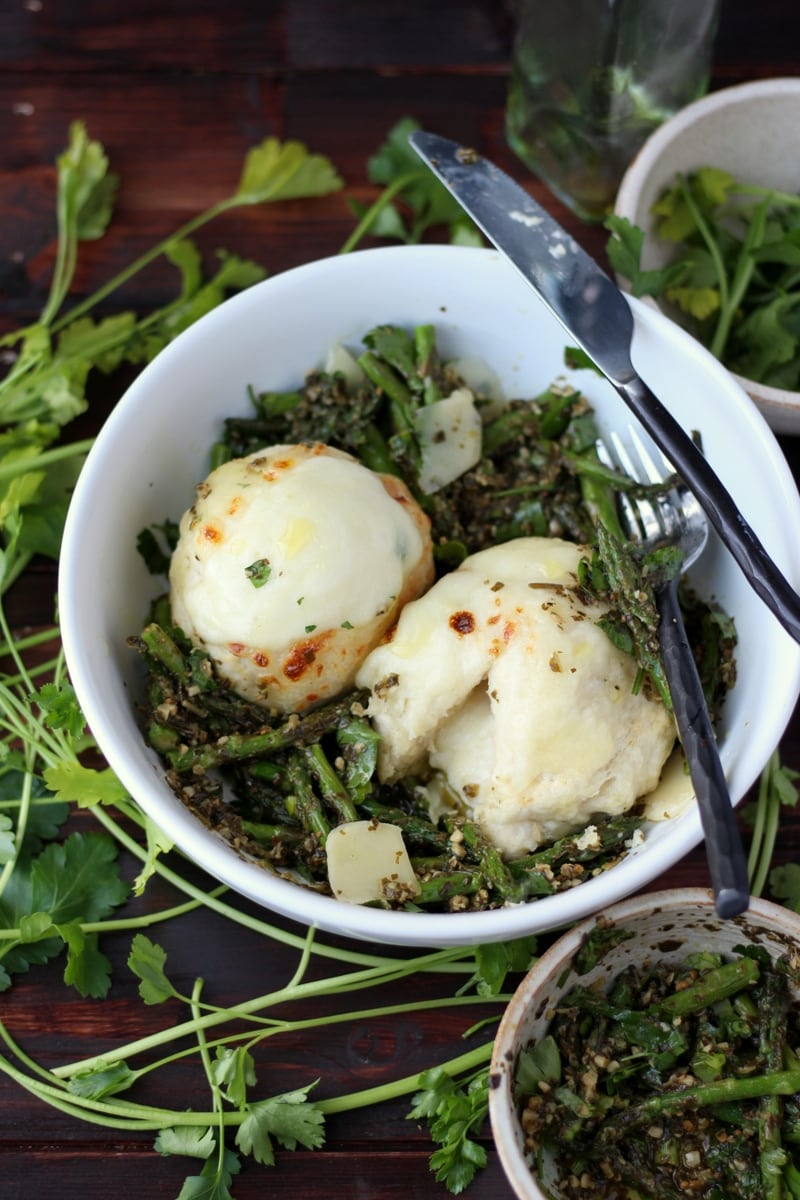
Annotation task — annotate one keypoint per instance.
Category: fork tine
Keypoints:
(680, 508)
(653, 472)
(639, 515)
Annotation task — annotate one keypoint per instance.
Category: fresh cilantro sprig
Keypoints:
(734, 274)
(455, 1111)
(412, 200)
(45, 386)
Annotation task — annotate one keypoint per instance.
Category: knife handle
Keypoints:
(758, 568)
(727, 865)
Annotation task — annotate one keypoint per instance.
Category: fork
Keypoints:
(676, 517)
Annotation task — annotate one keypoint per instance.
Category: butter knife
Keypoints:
(596, 315)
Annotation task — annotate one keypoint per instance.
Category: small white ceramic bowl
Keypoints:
(753, 132)
(153, 450)
(667, 926)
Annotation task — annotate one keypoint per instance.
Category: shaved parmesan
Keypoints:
(368, 860)
(341, 361)
(450, 438)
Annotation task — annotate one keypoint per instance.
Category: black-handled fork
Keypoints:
(677, 518)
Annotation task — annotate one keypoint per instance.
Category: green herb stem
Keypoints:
(711, 245)
(373, 212)
(402, 1087)
(743, 273)
(127, 273)
(765, 830)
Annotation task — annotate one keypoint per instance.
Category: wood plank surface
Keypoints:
(177, 91)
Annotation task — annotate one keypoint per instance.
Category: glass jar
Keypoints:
(591, 79)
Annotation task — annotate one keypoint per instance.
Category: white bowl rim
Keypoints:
(284, 897)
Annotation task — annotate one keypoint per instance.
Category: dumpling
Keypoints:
(291, 565)
(500, 679)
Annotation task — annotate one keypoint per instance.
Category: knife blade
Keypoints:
(594, 312)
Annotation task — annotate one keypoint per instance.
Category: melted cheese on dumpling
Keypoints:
(500, 678)
(291, 565)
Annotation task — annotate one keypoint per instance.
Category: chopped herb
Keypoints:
(258, 572)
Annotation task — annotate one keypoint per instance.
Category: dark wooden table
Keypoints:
(177, 91)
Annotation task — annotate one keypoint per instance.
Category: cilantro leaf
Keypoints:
(290, 1118)
(195, 1141)
(494, 960)
(146, 960)
(258, 572)
(8, 841)
(234, 1071)
(214, 1180)
(155, 555)
(784, 882)
(540, 1063)
(45, 815)
(157, 843)
(624, 249)
(397, 166)
(708, 187)
(88, 970)
(105, 1079)
(59, 706)
(46, 897)
(284, 171)
(85, 200)
(70, 780)
(102, 343)
(455, 1112)
(735, 250)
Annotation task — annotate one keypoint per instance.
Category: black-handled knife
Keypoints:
(595, 313)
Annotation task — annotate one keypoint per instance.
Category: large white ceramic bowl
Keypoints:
(153, 450)
(752, 131)
(667, 926)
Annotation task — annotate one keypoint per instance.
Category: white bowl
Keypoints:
(668, 926)
(153, 450)
(753, 132)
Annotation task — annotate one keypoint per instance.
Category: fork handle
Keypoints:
(724, 852)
